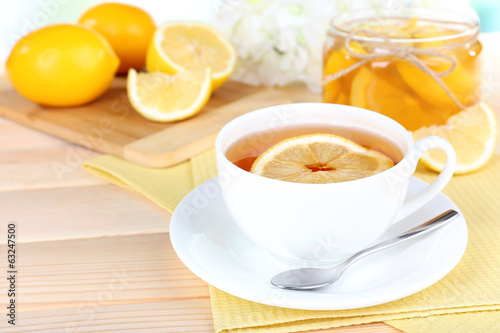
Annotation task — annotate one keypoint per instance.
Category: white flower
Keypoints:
(278, 42)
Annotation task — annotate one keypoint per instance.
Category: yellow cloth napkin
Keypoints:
(466, 300)
(166, 187)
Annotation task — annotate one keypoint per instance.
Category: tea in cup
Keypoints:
(320, 223)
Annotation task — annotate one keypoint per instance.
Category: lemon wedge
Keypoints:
(165, 98)
(472, 133)
(194, 46)
(318, 159)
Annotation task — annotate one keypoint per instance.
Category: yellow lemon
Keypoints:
(62, 65)
(194, 46)
(318, 159)
(472, 133)
(164, 98)
(128, 29)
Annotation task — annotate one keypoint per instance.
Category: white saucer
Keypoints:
(211, 245)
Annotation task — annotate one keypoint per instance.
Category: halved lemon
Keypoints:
(318, 159)
(194, 46)
(165, 98)
(472, 133)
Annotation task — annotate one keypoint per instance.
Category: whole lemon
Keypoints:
(127, 28)
(62, 65)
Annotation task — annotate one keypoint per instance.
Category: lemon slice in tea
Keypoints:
(318, 159)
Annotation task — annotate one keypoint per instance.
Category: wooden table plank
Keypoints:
(101, 271)
(81, 212)
(194, 315)
(30, 159)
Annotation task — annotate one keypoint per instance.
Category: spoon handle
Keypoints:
(426, 227)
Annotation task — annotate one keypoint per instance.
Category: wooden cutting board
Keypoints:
(110, 125)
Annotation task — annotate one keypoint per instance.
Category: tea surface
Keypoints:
(244, 152)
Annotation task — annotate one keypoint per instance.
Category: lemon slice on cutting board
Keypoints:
(318, 159)
(194, 46)
(472, 133)
(165, 98)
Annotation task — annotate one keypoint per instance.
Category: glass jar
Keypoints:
(418, 66)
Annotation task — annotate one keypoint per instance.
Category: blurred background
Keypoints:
(17, 18)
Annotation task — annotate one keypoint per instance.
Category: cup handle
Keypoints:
(419, 200)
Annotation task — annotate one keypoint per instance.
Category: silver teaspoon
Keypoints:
(312, 278)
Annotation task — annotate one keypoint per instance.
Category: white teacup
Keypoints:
(322, 224)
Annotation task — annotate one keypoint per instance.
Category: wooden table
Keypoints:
(93, 257)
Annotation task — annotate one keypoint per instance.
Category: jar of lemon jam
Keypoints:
(419, 66)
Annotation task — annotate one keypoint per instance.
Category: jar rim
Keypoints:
(471, 30)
